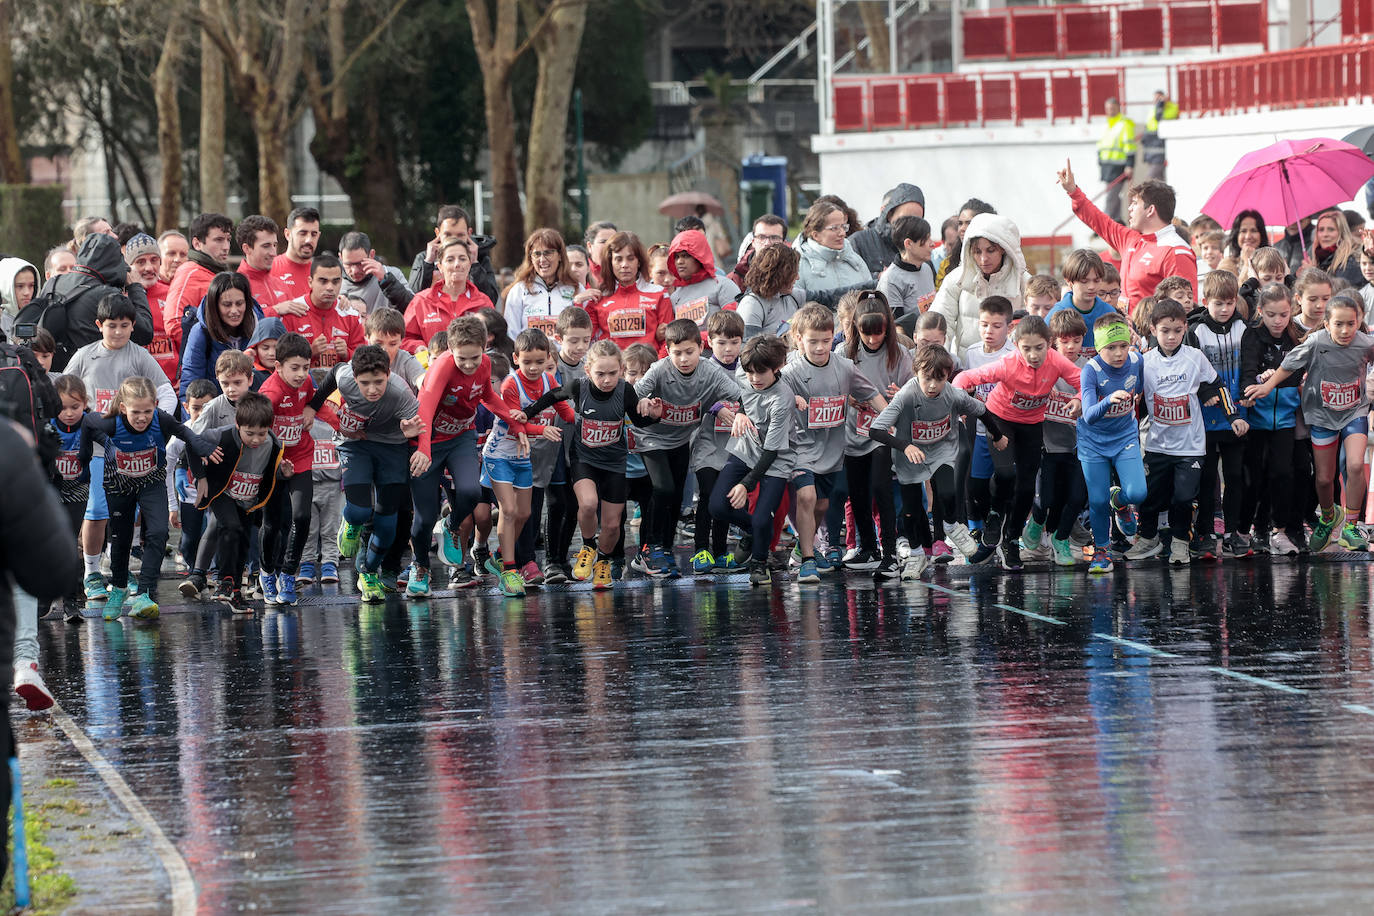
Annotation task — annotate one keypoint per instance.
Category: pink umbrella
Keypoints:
(1292, 179)
(688, 202)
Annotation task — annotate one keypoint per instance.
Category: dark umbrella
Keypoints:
(1363, 138)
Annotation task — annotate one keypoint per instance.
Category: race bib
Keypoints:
(325, 360)
(68, 466)
(599, 433)
(1058, 408)
(627, 323)
(544, 323)
(136, 464)
(288, 430)
(864, 419)
(825, 412)
(446, 424)
(693, 311)
(1172, 411)
(721, 426)
(681, 414)
(630, 441)
(923, 431)
(1124, 409)
(103, 398)
(1340, 395)
(1022, 401)
(244, 486)
(351, 424)
(326, 455)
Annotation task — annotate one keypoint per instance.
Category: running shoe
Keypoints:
(941, 552)
(961, 539)
(887, 568)
(418, 585)
(462, 577)
(192, 586)
(1259, 543)
(450, 547)
(1281, 545)
(1011, 555)
(1101, 562)
(554, 574)
(915, 565)
(864, 560)
(143, 606)
(348, 538)
(329, 572)
(96, 589)
(370, 584)
(759, 574)
(808, 574)
(1352, 539)
(982, 555)
(728, 563)
(640, 561)
(511, 584)
(268, 583)
(391, 581)
(1030, 538)
(672, 571)
(703, 562)
(1062, 552)
(1144, 549)
(532, 574)
(992, 529)
(1321, 534)
(1126, 518)
(656, 564)
(1236, 546)
(28, 683)
(903, 548)
(306, 574)
(1179, 553)
(582, 569)
(601, 575)
(286, 590)
(114, 605)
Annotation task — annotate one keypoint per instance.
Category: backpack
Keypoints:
(27, 397)
(49, 312)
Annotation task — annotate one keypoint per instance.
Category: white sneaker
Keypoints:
(903, 548)
(28, 683)
(1282, 545)
(1145, 548)
(961, 539)
(915, 565)
(1178, 553)
(851, 553)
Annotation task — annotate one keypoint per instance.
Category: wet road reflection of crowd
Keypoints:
(707, 747)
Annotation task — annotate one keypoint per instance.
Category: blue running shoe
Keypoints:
(329, 572)
(1125, 515)
(96, 589)
(268, 584)
(808, 572)
(286, 590)
(114, 605)
(703, 562)
(306, 574)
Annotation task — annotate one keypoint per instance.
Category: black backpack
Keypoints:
(27, 397)
(48, 311)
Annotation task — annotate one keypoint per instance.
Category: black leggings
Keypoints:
(870, 481)
(524, 542)
(668, 475)
(1171, 482)
(1014, 471)
(288, 511)
(1269, 469)
(712, 533)
(562, 522)
(1225, 453)
(943, 490)
(1063, 493)
(464, 466)
(759, 522)
(234, 524)
(151, 501)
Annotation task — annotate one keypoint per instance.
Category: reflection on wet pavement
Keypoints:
(1165, 740)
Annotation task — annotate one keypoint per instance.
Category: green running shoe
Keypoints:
(1352, 539)
(1030, 537)
(349, 535)
(114, 606)
(370, 584)
(1321, 534)
(512, 584)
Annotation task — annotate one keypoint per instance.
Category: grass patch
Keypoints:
(60, 783)
(50, 888)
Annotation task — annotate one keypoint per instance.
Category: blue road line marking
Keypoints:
(1031, 614)
(1356, 707)
(1250, 678)
(1150, 650)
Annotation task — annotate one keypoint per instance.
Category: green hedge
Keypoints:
(31, 220)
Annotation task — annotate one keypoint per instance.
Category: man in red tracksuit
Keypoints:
(333, 336)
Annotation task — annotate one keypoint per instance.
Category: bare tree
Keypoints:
(213, 198)
(169, 122)
(556, 47)
(11, 163)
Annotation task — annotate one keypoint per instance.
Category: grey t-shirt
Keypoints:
(930, 424)
(686, 399)
(881, 374)
(408, 368)
(246, 481)
(820, 437)
(772, 315)
(1061, 430)
(103, 371)
(712, 439)
(1333, 391)
(906, 289)
(217, 414)
(700, 301)
(771, 410)
(379, 420)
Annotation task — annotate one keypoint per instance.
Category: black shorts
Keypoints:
(611, 486)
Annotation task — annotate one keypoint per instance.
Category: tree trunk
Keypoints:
(169, 124)
(212, 195)
(274, 191)
(508, 219)
(874, 16)
(11, 162)
(556, 48)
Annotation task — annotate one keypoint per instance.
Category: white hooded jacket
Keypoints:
(9, 303)
(965, 287)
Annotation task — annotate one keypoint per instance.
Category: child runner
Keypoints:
(321, 557)
(822, 383)
(1108, 435)
(545, 448)
(573, 335)
(1335, 404)
(909, 282)
(135, 482)
(725, 332)
(72, 467)
(1083, 271)
(1177, 378)
(1271, 449)
(1042, 295)
(286, 520)
(760, 452)
(1024, 380)
(235, 490)
(602, 401)
(994, 332)
(771, 295)
(1063, 492)
(1217, 333)
(687, 387)
(870, 341)
(376, 415)
(925, 415)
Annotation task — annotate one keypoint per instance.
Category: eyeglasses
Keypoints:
(544, 253)
(770, 239)
(838, 227)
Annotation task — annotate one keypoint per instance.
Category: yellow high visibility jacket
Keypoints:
(1116, 146)
(1169, 113)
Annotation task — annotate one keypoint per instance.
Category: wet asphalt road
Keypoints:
(1162, 741)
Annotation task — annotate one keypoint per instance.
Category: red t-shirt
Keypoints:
(163, 348)
(293, 278)
(449, 399)
(288, 420)
(267, 290)
(330, 323)
(631, 314)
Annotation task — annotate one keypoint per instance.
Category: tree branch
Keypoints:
(338, 77)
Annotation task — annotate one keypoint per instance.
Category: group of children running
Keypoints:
(862, 431)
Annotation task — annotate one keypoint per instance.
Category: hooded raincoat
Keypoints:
(966, 286)
(703, 293)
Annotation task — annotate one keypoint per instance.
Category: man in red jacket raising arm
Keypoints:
(1151, 248)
